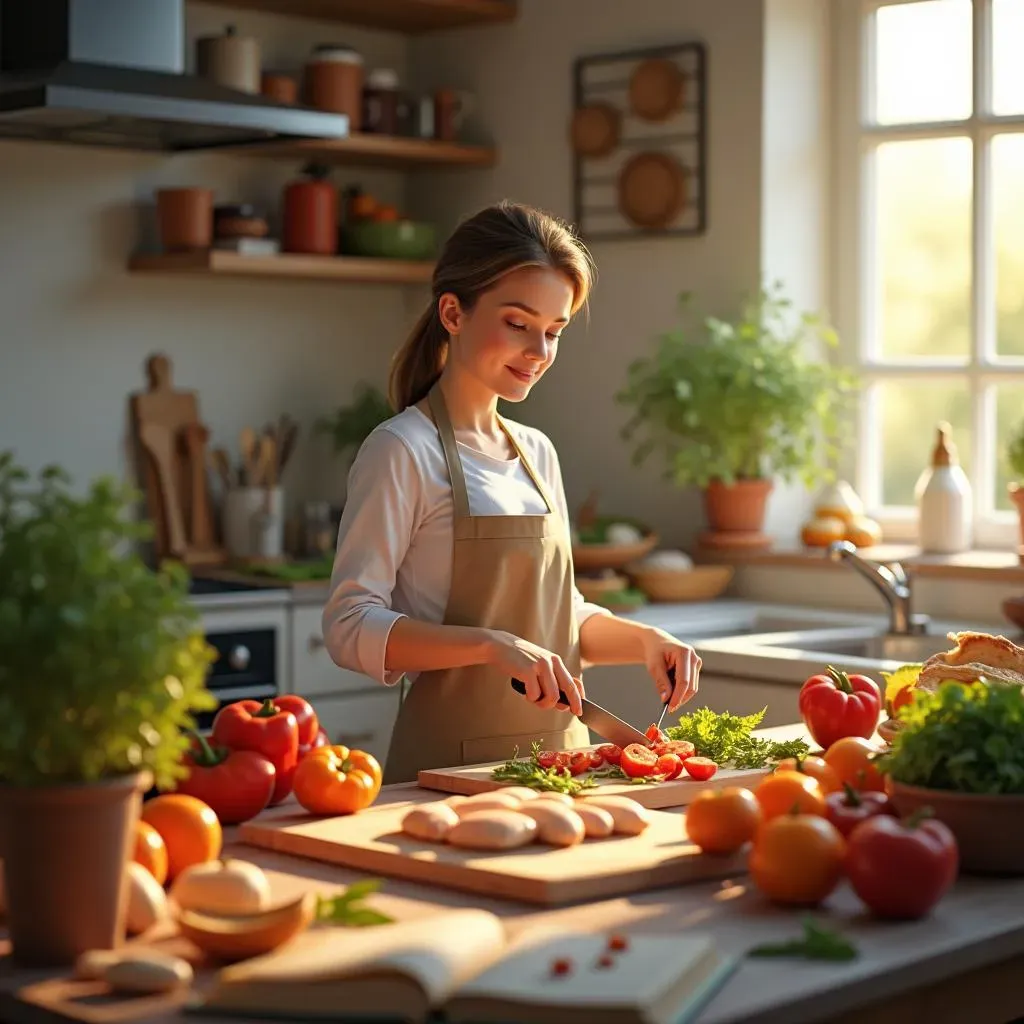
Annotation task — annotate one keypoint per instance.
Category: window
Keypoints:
(929, 243)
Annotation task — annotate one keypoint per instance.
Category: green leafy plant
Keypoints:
(729, 741)
(740, 400)
(1015, 452)
(102, 659)
(351, 424)
(963, 738)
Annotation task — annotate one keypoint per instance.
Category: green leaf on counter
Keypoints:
(816, 943)
(528, 772)
(345, 909)
(727, 739)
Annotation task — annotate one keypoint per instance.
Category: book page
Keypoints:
(439, 952)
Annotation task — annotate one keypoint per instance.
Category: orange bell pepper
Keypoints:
(337, 780)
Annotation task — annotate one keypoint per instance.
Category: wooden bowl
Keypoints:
(989, 830)
(701, 583)
(592, 587)
(595, 557)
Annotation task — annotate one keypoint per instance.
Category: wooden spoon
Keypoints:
(250, 457)
(196, 436)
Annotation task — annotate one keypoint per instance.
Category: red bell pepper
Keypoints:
(901, 869)
(322, 740)
(305, 717)
(237, 784)
(265, 729)
(847, 808)
(836, 705)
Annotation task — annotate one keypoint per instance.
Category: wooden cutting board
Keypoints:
(372, 841)
(476, 778)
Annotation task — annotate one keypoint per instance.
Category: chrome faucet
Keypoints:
(891, 583)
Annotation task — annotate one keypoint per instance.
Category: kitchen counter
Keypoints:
(961, 964)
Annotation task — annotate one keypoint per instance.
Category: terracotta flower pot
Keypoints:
(1016, 492)
(64, 850)
(738, 507)
(989, 830)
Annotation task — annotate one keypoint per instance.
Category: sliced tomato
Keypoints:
(579, 762)
(547, 758)
(610, 753)
(669, 765)
(638, 760)
(562, 759)
(596, 758)
(681, 748)
(655, 735)
(700, 768)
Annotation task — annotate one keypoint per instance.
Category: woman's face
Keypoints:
(509, 338)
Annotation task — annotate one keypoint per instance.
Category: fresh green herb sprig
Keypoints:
(346, 908)
(528, 772)
(727, 739)
(816, 943)
(962, 738)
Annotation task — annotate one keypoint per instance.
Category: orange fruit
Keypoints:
(721, 821)
(783, 791)
(817, 768)
(797, 859)
(150, 851)
(189, 828)
(851, 758)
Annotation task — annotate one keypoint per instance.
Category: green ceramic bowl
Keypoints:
(397, 240)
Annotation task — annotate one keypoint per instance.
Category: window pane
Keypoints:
(1009, 416)
(923, 237)
(1008, 71)
(1008, 212)
(911, 412)
(923, 62)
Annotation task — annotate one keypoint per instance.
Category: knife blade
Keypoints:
(601, 720)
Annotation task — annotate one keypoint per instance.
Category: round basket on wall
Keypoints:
(652, 190)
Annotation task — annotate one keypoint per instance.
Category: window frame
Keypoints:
(853, 275)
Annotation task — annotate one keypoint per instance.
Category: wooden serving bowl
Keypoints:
(595, 557)
(701, 583)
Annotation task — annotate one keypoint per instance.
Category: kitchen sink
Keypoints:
(869, 645)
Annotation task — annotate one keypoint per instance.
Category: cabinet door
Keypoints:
(747, 696)
(313, 672)
(363, 722)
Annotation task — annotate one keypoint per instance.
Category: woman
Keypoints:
(454, 563)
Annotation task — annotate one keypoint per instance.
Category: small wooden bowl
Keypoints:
(701, 583)
(595, 557)
(592, 587)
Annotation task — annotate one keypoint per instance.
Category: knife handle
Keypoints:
(520, 687)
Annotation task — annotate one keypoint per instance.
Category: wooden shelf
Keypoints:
(410, 17)
(368, 150)
(352, 269)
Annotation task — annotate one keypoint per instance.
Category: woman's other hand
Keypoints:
(663, 652)
(544, 673)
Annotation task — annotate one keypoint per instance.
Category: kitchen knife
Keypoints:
(602, 721)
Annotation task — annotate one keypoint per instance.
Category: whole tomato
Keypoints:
(852, 759)
(797, 859)
(834, 705)
(337, 780)
(816, 767)
(781, 792)
(721, 821)
(848, 808)
(901, 869)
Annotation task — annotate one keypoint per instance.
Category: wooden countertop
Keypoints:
(959, 964)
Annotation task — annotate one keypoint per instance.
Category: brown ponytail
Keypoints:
(482, 250)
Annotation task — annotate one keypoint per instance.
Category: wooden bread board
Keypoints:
(476, 778)
(372, 841)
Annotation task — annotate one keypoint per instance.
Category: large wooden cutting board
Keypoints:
(372, 841)
(476, 778)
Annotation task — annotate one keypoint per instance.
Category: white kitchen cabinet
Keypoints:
(364, 721)
(313, 673)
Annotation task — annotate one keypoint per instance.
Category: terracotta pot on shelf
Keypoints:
(736, 514)
(310, 214)
(185, 217)
(1016, 492)
(59, 906)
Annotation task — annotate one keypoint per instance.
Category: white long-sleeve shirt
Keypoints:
(394, 554)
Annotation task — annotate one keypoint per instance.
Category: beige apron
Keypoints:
(511, 573)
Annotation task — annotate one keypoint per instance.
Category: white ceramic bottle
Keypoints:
(944, 501)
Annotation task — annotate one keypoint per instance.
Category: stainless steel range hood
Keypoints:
(111, 73)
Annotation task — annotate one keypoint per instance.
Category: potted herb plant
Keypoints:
(1015, 460)
(957, 754)
(737, 405)
(350, 425)
(102, 662)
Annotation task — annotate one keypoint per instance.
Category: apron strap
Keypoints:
(528, 466)
(460, 496)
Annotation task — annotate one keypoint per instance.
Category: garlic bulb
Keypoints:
(622, 533)
(668, 559)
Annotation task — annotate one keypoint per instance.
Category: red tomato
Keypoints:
(847, 808)
(901, 869)
(638, 760)
(681, 748)
(668, 765)
(596, 758)
(611, 753)
(547, 758)
(835, 705)
(654, 734)
(562, 759)
(579, 762)
(700, 768)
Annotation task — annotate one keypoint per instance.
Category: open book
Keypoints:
(459, 967)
